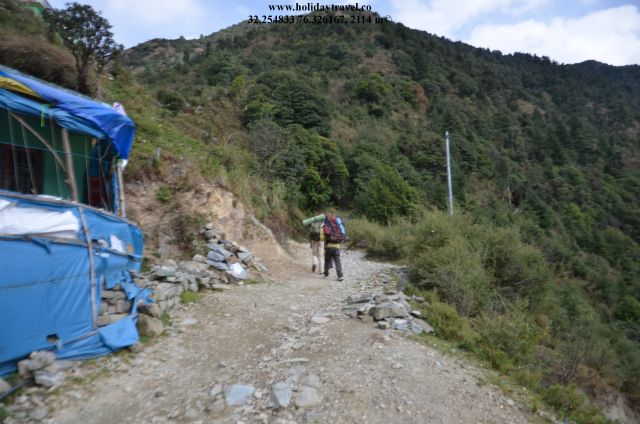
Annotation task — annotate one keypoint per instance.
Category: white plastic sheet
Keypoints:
(238, 271)
(22, 221)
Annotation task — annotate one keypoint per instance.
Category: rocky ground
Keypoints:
(281, 352)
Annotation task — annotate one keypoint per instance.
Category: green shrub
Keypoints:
(574, 405)
(170, 100)
(371, 89)
(382, 193)
(628, 309)
(511, 262)
(448, 324)
(508, 339)
(392, 241)
(187, 224)
(456, 270)
(163, 193)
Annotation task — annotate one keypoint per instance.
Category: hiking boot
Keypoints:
(340, 278)
(326, 274)
(313, 268)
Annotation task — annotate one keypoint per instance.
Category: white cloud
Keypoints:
(611, 36)
(156, 12)
(137, 21)
(445, 17)
(525, 6)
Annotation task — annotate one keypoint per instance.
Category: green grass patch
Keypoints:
(4, 413)
(146, 339)
(165, 318)
(163, 193)
(189, 297)
(78, 380)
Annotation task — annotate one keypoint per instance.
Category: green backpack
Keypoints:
(314, 232)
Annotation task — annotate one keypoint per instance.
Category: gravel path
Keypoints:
(292, 331)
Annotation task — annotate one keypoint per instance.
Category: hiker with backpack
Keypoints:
(333, 234)
(314, 244)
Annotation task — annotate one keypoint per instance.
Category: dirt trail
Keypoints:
(263, 334)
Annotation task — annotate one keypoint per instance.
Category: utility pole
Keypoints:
(446, 137)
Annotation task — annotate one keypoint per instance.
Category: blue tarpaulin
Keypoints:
(25, 106)
(46, 283)
(104, 119)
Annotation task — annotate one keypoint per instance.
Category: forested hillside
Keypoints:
(545, 165)
(539, 271)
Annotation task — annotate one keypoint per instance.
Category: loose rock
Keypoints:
(388, 309)
(319, 319)
(215, 390)
(4, 386)
(149, 326)
(39, 413)
(48, 379)
(307, 396)
(310, 380)
(281, 395)
(238, 394)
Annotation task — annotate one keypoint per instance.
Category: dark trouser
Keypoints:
(332, 254)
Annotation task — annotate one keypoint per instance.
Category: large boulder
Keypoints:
(151, 309)
(388, 309)
(149, 326)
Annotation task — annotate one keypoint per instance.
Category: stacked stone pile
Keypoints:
(389, 311)
(226, 263)
(42, 368)
(114, 306)
(224, 254)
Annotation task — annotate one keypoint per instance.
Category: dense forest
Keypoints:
(538, 273)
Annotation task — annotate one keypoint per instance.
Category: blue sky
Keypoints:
(568, 31)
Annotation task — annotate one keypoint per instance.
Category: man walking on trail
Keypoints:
(333, 235)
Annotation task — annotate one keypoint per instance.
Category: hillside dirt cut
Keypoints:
(284, 352)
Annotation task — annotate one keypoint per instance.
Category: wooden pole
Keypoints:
(71, 176)
(92, 269)
(123, 208)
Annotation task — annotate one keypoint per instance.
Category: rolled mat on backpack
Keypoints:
(313, 219)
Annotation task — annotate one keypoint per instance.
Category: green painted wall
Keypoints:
(53, 177)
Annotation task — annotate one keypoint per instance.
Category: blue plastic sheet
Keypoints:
(45, 287)
(120, 334)
(22, 105)
(119, 128)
